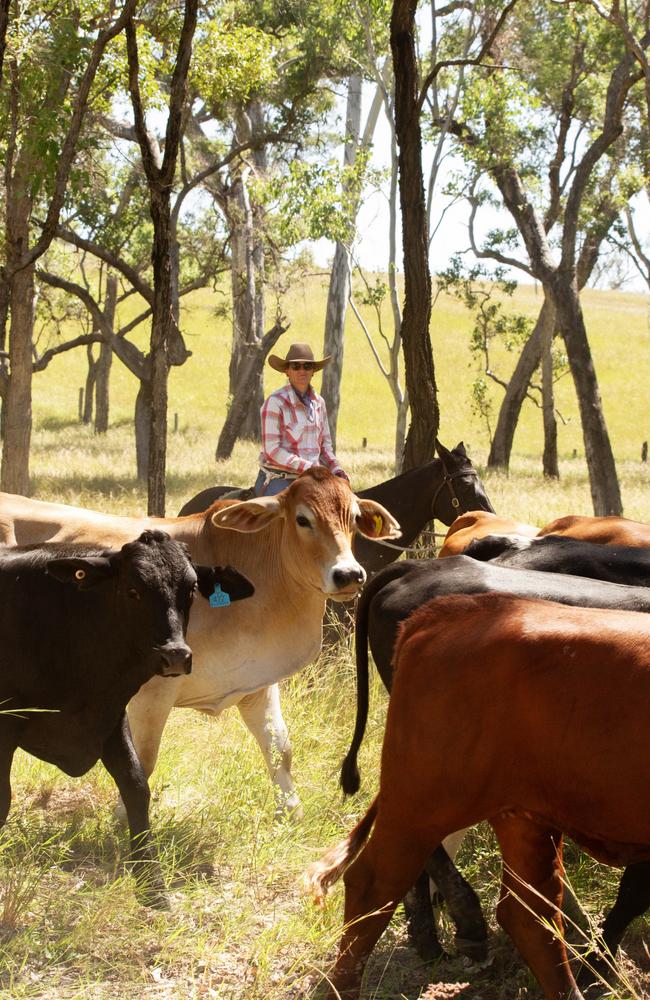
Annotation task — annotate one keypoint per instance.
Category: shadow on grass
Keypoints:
(185, 485)
(76, 483)
(57, 423)
(394, 970)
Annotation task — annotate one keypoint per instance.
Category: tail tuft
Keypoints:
(350, 778)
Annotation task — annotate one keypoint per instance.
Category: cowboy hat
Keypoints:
(297, 352)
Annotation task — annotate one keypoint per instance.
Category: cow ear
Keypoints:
(374, 521)
(85, 573)
(232, 583)
(250, 515)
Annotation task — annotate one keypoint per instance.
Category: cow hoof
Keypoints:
(153, 897)
(477, 951)
(596, 977)
(289, 807)
(428, 947)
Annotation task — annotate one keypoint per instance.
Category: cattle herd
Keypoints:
(518, 665)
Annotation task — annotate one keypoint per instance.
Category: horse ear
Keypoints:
(440, 448)
(460, 447)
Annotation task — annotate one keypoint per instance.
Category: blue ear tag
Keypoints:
(219, 598)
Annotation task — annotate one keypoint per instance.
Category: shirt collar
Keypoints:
(309, 395)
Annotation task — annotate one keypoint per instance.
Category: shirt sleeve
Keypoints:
(272, 438)
(327, 456)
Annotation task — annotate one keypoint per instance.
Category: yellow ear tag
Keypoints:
(378, 523)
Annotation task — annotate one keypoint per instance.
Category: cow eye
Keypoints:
(302, 521)
(133, 594)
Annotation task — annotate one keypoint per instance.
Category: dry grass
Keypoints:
(238, 927)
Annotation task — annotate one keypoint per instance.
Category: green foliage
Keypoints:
(231, 63)
(501, 114)
(482, 294)
(316, 199)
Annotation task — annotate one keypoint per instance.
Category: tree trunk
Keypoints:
(102, 387)
(161, 327)
(105, 360)
(337, 304)
(418, 356)
(247, 280)
(550, 464)
(529, 360)
(339, 287)
(250, 375)
(400, 433)
(605, 492)
(89, 388)
(142, 424)
(17, 406)
(17, 409)
(166, 343)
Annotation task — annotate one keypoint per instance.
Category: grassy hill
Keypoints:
(69, 461)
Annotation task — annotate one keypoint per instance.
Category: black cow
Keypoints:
(559, 554)
(81, 630)
(389, 598)
(442, 489)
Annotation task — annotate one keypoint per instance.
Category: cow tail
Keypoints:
(350, 778)
(324, 873)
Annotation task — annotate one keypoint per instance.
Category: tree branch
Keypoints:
(477, 60)
(68, 150)
(110, 258)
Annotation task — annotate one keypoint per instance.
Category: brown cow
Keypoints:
(609, 530)
(478, 524)
(529, 714)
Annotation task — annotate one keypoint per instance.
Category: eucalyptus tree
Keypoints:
(455, 32)
(369, 52)
(410, 96)
(109, 226)
(555, 130)
(289, 56)
(503, 135)
(53, 54)
(159, 171)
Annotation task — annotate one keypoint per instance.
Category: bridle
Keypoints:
(448, 481)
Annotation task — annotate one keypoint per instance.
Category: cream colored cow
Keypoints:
(296, 550)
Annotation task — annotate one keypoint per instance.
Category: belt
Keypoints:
(271, 473)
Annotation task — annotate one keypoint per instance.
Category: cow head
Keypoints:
(320, 515)
(154, 583)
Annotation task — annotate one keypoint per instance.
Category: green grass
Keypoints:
(239, 927)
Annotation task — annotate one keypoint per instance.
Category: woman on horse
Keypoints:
(295, 430)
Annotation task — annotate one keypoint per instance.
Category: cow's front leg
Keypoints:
(121, 762)
(7, 749)
(262, 714)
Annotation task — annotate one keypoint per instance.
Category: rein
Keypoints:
(447, 480)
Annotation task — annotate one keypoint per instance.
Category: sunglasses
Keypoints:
(296, 366)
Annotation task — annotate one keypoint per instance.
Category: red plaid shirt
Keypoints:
(290, 440)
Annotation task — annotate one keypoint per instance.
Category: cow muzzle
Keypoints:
(347, 582)
(175, 659)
